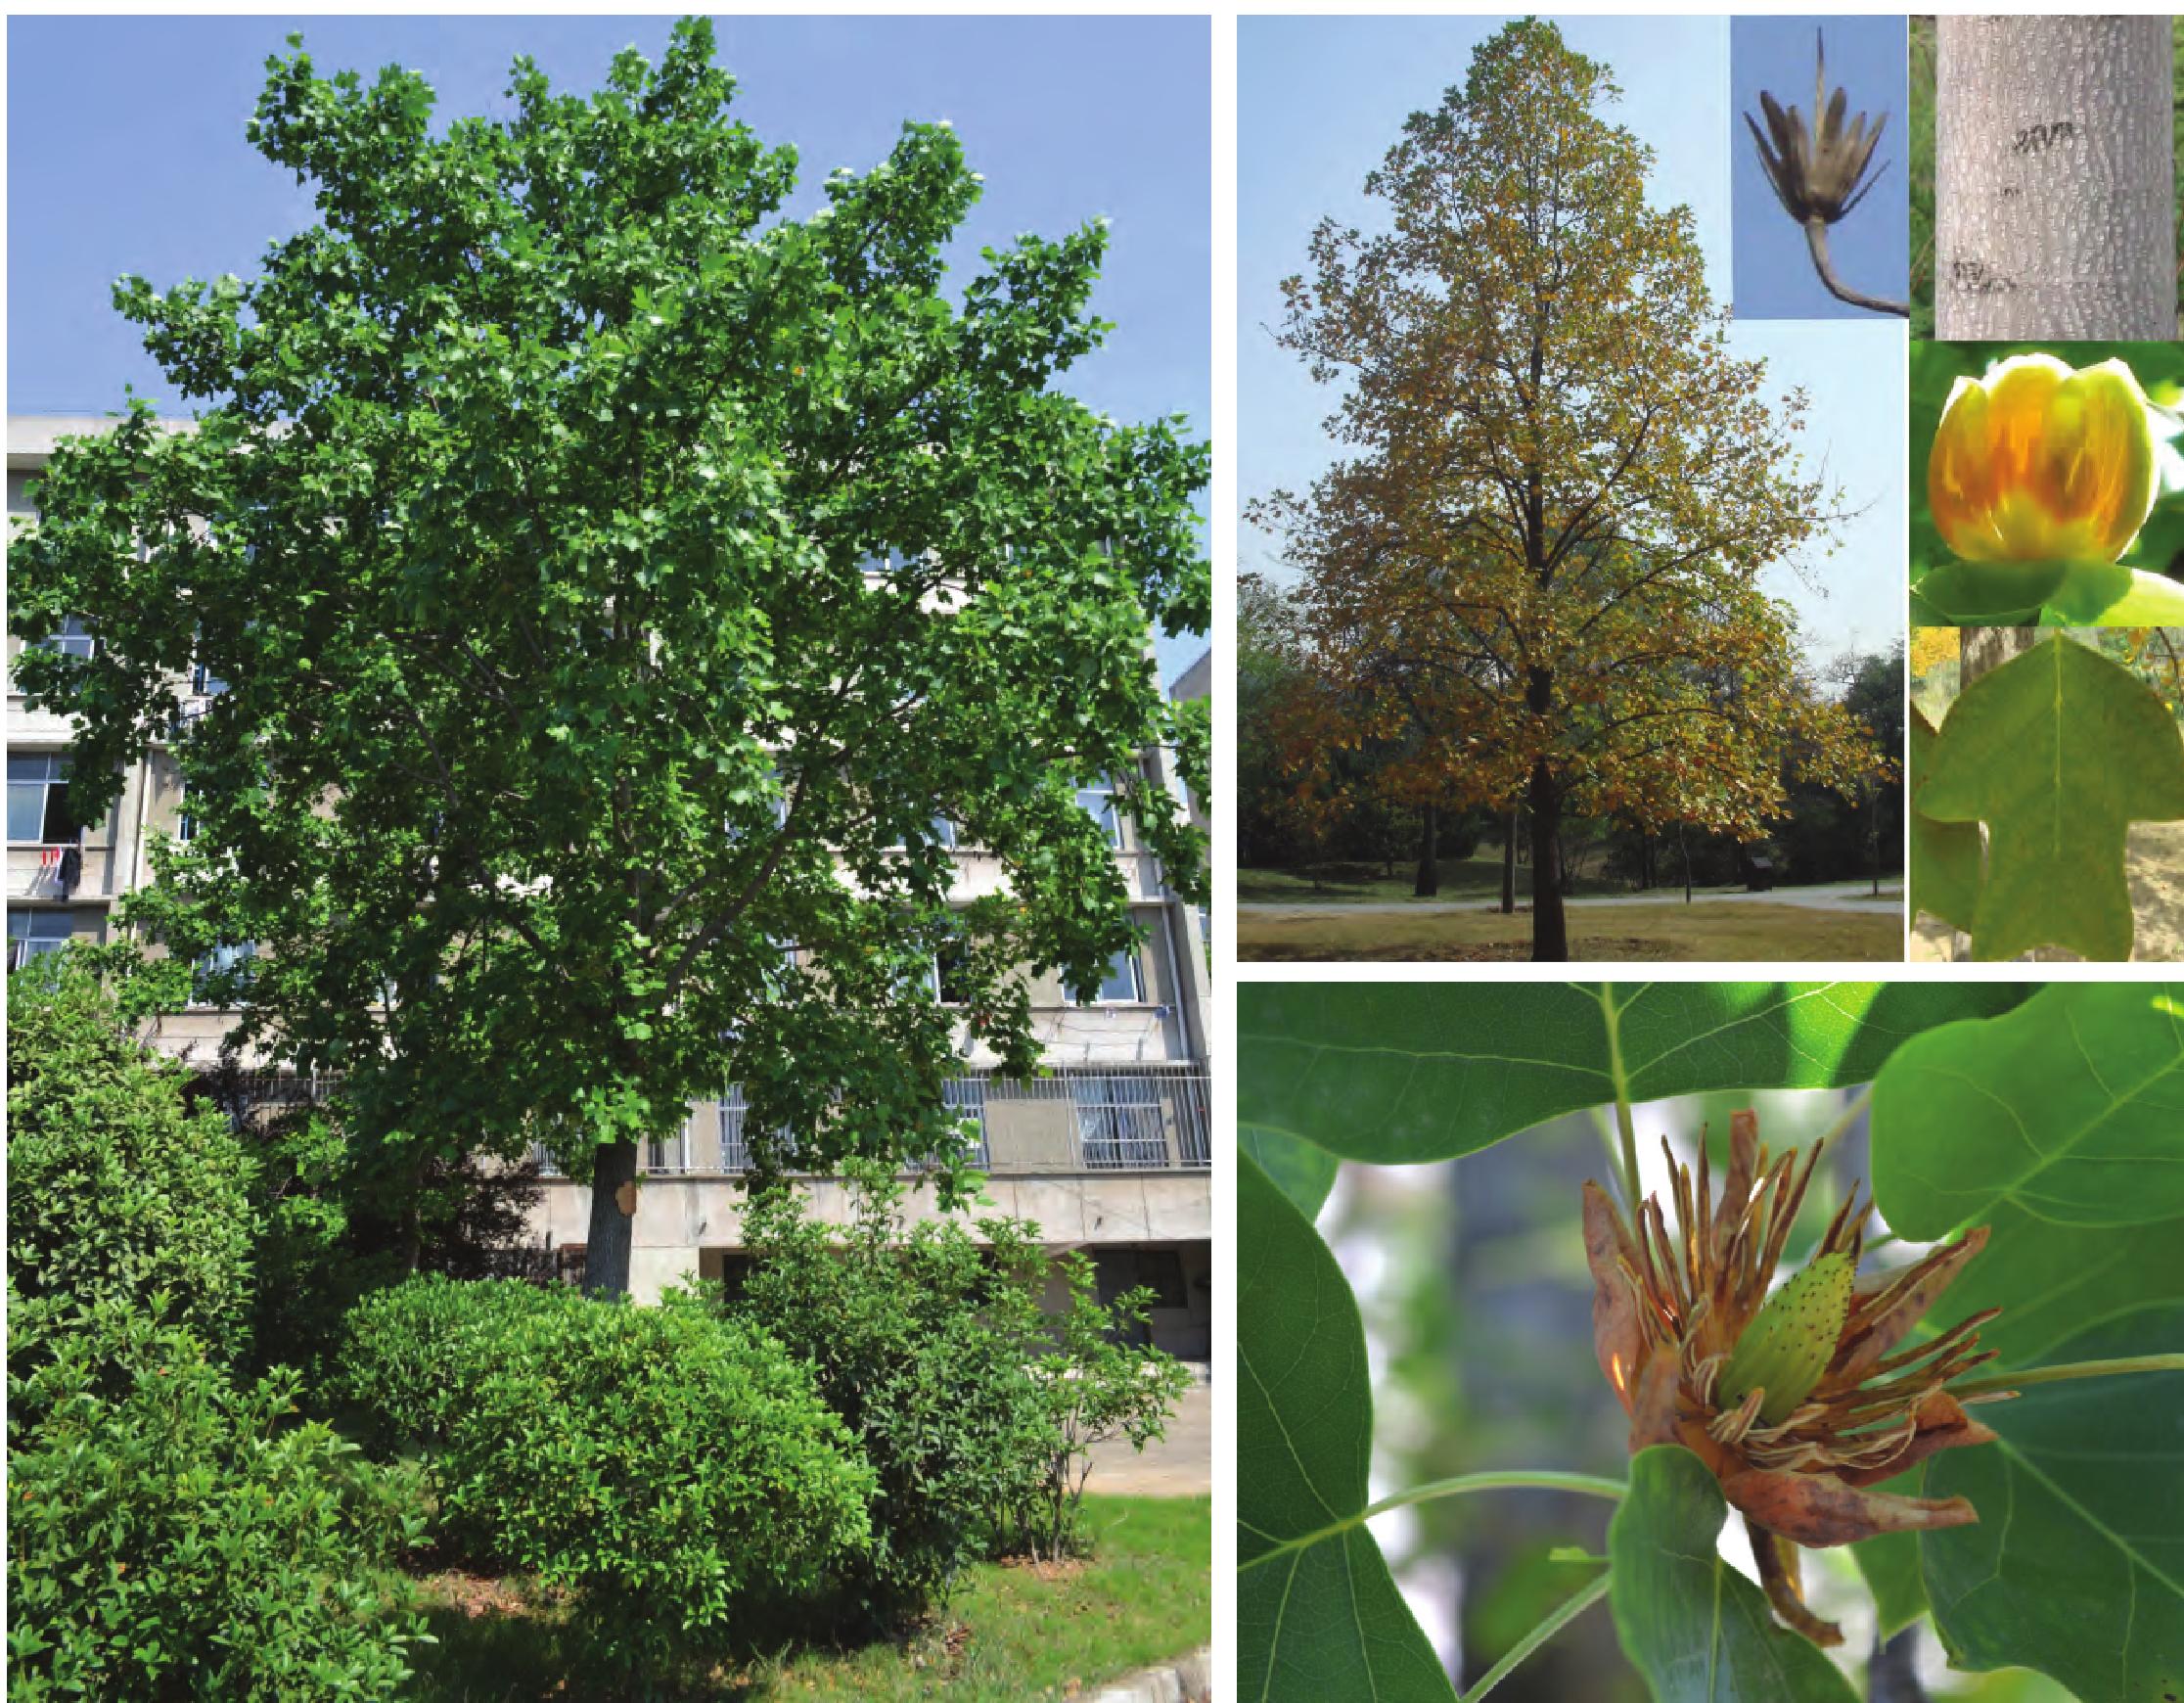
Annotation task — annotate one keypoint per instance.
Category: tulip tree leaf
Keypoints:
(2068, 1107)
(2106, 594)
(1408, 1073)
(1302, 1170)
(2058, 750)
(1990, 593)
(1890, 1561)
(2051, 1280)
(1944, 855)
(1697, 1629)
(1318, 1615)
(2076, 1565)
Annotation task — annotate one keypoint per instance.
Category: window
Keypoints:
(944, 833)
(32, 933)
(966, 1097)
(185, 824)
(1123, 985)
(1098, 803)
(734, 1151)
(38, 800)
(224, 962)
(950, 975)
(671, 1157)
(884, 560)
(73, 639)
(1120, 1125)
(205, 683)
(1160, 1269)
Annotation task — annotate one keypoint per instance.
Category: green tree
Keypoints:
(616, 583)
(1540, 562)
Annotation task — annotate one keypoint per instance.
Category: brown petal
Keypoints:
(1942, 1424)
(1819, 1510)
(1904, 1302)
(1736, 1181)
(1653, 1406)
(1777, 1560)
(1617, 1337)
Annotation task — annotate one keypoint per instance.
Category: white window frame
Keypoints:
(241, 953)
(59, 766)
(30, 936)
(1132, 956)
(1108, 815)
(74, 639)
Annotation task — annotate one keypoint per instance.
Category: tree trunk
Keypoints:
(607, 1242)
(1550, 927)
(1509, 865)
(1684, 846)
(1429, 852)
(2053, 210)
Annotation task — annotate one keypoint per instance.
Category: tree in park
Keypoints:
(620, 587)
(1561, 486)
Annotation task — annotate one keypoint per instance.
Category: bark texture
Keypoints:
(2054, 179)
(607, 1243)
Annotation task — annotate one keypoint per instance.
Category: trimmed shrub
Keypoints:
(663, 1460)
(116, 1192)
(922, 1341)
(182, 1540)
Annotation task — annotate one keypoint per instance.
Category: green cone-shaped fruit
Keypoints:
(1789, 1345)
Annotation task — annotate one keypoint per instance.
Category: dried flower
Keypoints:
(2041, 463)
(1796, 1402)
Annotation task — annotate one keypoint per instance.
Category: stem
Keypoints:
(1851, 1115)
(1624, 1126)
(1816, 239)
(2064, 1374)
(1582, 1483)
(1538, 1635)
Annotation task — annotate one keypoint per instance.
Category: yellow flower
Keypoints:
(2041, 463)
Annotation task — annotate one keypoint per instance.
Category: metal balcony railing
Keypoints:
(1137, 1118)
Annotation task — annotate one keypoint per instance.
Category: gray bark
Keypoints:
(2054, 184)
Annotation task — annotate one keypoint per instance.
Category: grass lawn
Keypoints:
(1668, 931)
(1013, 1632)
(1461, 878)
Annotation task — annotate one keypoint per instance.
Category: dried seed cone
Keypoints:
(1799, 1403)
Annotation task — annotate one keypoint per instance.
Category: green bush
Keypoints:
(662, 1461)
(923, 1342)
(181, 1537)
(116, 1191)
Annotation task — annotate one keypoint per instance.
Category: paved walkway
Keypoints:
(1181, 1464)
(1854, 896)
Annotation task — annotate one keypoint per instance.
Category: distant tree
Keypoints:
(618, 586)
(1544, 549)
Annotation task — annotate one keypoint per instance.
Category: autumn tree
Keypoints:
(1561, 486)
(625, 596)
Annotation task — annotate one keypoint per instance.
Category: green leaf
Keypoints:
(1407, 1073)
(2051, 1280)
(2068, 1108)
(1317, 1614)
(2105, 594)
(2058, 750)
(1302, 1170)
(1990, 593)
(1891, 1563)
(2077, 1566)
(1945, 856)
(1697, 1629)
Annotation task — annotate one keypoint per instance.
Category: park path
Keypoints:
(1854, 896)
(1181, 1464)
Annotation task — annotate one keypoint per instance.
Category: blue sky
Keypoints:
(126, 155)
(1320, 101)
(1872, 247)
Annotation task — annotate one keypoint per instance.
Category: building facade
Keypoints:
(1108, 1152)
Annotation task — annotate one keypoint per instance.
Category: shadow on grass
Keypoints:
(1013, 1630)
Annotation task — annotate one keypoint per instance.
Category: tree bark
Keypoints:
(1429, 852)
(1684, 846)
(1509, 865)
(1550, 926)
(607, 1241)
(2054, 209)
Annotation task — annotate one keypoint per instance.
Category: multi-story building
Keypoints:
(1108, 1152)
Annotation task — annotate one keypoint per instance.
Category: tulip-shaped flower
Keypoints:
(1796, 1402)
(2041, 463)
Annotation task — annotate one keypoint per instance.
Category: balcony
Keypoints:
(1148, 1118)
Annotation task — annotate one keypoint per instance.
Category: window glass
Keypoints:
(73, 639)
(1123, 985)
(230, 960)
(37, 801)
(31, 934)
(1098, 801)
(1121, 1125)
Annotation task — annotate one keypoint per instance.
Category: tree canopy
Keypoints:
(620, 589)
(1539, 563)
